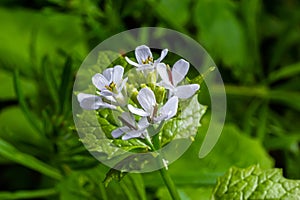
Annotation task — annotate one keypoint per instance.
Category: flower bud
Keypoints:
(152, 86)
(159, 93)
(143, 85)
(133, 96)
(151, 77)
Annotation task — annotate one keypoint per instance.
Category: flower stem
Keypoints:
(163, 171)
(169, 183)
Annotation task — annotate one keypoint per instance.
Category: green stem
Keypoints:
(163, 171)
(169, 183)
(149, 142)
(167, 179)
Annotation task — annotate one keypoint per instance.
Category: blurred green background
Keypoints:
(255, 44)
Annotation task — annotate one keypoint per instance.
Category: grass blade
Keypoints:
(25, 108)
(10, 152)
(66, 79)
(27, 194)
(285, 72)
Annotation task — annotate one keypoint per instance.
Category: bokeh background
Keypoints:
(255, 44)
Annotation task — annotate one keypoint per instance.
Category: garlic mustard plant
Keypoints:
(142, 116)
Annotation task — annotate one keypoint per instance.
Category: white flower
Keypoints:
(92, 102)
(110, 84)
(171, 78)
(147, 100)
(131, 128)
(144, 58)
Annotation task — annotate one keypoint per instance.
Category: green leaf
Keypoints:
(102, 146)
(137, 185)
(186, 193)
(66, 84)
(51, 82)
(30, 194)
(113, 174)
(45, 31)
(87, 184)
(286, 142)
(84, 184)
(285, 72)
(169, 11)
(23, 104)
(107, 59)
(251, 11)
(283, 96)
(288, 98)
(234, 148)
(10, 152)
(129, 163)
(18, 133)
(223, 35)
(256, 183)
(186, 124)
(7, 86)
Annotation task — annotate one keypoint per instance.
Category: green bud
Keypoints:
(200, 78)
(143, 85)
(151, 86)
(151, 77)
(159, 93)
(133, 96)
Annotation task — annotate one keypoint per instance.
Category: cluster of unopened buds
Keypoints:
(149, 108)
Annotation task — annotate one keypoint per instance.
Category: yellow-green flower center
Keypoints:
(148, 60)
(111, 86)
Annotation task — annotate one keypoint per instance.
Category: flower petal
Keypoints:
(106, 93)
(119, 131)
(82, 96)
(162, 55)
(186, 91)
(142, 53)
(169, 110)
(108, 74)
(163, 73)
(138, 111)
(100, 81)
(179, 71)
(133, 134)
(109, 98)
(165, 85)
(106, 105)
(117, 75)
(147, 99)
(143, 123)
(89, 101)
(131, 62)
(123, 83)
(92, 102)
(128, 120)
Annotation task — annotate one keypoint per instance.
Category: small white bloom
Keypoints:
(144, 58)
(131, 128)
(147, 100)
(110, 84)
(171, 78)
(92, 102)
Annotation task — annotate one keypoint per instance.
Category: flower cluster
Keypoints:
(148, 111)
